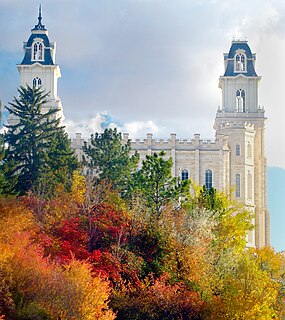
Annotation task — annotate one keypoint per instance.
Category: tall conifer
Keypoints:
(38, 150)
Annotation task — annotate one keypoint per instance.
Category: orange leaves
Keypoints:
(32, 286)
(159, 299)
(55, 257)
(73, 292)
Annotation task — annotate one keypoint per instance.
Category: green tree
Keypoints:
(38, 155)
(2, 179)
(155, 182)
(109, 158)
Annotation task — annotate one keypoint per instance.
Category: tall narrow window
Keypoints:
(240, 100)
(38, 51)
(237, 185)
(37, 82)
(249, 151)
(208, 179)
(237, 150)
(240, 63)
(249, 185)
(184, 174)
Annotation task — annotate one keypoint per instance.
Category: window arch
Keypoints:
(38, 51)
(37, 82)
(209, 179)
(240, 60)
(249, 185)
(237, 185)
(237, 150)
(240, 100)
(185, 174)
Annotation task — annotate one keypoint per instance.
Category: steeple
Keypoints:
(39, 26)
(38, 67)
(242, 121)
(239, 83)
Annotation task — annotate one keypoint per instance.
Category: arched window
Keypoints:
(240, 62)
(184, 174)
(37, 82)
(240, 100)
(237, 185)
(249, 185)
(237, 150)
(38, 51)
(249, 151)
(208, 179)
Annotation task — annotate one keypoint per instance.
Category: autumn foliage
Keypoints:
(83, 256)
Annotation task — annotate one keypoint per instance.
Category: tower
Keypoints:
(38, 67)
(243, 122)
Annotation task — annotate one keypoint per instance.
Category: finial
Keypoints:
(40, 26)
(40, 14)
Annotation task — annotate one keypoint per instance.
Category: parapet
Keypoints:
(175, 143)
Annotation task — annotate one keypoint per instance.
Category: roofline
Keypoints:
(39, 64)
(241, 75)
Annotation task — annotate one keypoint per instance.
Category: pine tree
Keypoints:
(110, 159)
(38, 152)
(2, 179)
(155, 182)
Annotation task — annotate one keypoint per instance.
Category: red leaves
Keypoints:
(159, 299)
(107, 227)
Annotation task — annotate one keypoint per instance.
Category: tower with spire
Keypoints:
(242, 121)
(39, 68)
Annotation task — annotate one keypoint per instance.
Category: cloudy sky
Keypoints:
(153, 65)
(150, 65)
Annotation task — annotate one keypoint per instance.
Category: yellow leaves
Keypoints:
(14, 217)
(73, 292)
(270, 261)
(248, 292)
(31, 285)
(78, 189)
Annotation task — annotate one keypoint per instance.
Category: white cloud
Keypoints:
(103, 120)
(153, 65)
(85, 127)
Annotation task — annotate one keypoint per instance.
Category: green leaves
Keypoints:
(38, 148)
(155, 182)
(110, 159)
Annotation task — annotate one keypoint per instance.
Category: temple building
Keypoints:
(235, 159)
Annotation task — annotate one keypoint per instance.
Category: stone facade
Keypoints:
(235, 159)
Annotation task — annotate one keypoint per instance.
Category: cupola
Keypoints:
(38, 48)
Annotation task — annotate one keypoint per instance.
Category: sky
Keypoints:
(150, 65)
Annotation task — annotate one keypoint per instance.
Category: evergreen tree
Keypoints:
(38, 152)
(2, 179)
(155, 182)
(110, 159)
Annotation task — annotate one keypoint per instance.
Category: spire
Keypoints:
(40, 26)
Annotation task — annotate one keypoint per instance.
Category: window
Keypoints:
(248, 150)
(208, 179)
(240, 63)
(240, 100)
(184, 174)
(37, 82)
(237, 150)
(38, 51)
(237, 185)
(249, 185)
